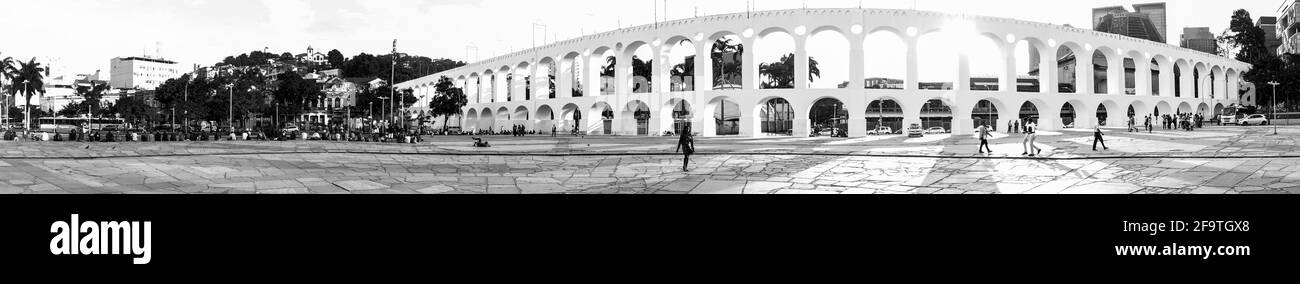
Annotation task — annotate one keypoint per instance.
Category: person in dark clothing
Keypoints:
(553, 129)
(984, 139)
(686, 145)
(1096, 138)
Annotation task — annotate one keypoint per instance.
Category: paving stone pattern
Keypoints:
(1215, 160)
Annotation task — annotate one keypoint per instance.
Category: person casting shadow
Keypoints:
(1096, 138)
(686, 145)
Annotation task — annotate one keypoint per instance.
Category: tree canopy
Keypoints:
(408, 67)
(1248, 41)
(447, 101)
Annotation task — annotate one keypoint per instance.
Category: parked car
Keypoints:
(829, 132)
(915, 131)
(291, 129)
(1254, 119)
(936, 130)
(883, 130)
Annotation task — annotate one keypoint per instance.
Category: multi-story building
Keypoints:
(340, 93)
(1288, 27)
(141, 72)
(1271, 41)
(1199, 39)
(1156, 12)
(59, 92)
(1147, 21)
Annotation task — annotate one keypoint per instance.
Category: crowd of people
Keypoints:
(1180, 121)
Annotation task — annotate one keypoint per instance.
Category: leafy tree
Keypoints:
(447, 101)
(72, 109)
(15, 113)
(408, 97)
(106, 109)
(408, 67)
(336, 58)
(255, 58)
(364, 65)
(134, 109)
(293, 92)
(1247, 40)
(249, 96)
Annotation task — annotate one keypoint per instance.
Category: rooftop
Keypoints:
(146, 59)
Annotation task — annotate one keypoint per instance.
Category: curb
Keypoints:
(606, 154)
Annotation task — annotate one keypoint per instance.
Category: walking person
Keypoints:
(1024, 142)
(1150, 128)
(553, 129)
(1011, 124)
(686, 145)
(984, 139)
(1096, 138)
(1031, 131)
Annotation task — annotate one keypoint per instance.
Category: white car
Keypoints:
(936, 130)
(915, 131)
(883, 130)
(1254, 119)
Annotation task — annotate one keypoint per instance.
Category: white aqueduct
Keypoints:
(624, 104)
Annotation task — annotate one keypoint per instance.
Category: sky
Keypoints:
(81, 37)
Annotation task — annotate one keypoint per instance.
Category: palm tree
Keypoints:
(686, 69)
(781, 74)
(6, 74)
(610, 63)
(32, 77)
(92, 96)
(721, 67)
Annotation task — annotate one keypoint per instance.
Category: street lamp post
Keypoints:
(392, 75)
(1274, 107)
(230, 111)
(27, 109)
(383, 113)
(537, 24)
(187, 102)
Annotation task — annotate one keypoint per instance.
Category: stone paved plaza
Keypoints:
(1214, 160)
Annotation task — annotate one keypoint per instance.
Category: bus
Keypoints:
(1233, 114)
(67, 124)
